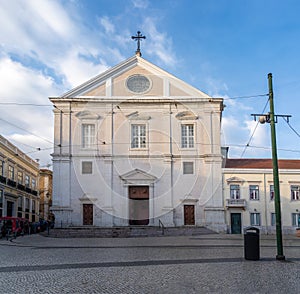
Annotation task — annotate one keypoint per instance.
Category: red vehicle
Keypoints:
(13, 225)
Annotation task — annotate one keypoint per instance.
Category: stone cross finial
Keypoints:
(138, 38)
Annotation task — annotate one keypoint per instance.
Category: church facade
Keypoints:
(137, 146)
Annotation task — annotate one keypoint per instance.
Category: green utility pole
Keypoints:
(279, 255)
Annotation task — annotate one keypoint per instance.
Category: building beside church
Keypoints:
(45, 193)
(137, 146)
(18, 183)
(249, 195)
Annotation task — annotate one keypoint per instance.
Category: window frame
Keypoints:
(295, 219)
(11, 172)
(233, 195)
(254, 192)
(255, 219)
(27, 181)
(272, 193)
(1, 167)
(138, 131)
(187, 140)
(295, 194)
(88, 135)
(273, 219)
(20, 178)
(188, 166)
(82, 168)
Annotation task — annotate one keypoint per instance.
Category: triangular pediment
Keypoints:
(135, 78)
(138, 177)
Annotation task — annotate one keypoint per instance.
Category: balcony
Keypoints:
(11, 183)
(236, 203)
(21, 187)
(2, 179)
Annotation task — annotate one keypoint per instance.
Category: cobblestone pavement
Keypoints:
(190, 264)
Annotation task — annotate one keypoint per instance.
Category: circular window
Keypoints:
(138, 84)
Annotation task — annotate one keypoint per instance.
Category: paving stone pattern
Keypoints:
(186, 264)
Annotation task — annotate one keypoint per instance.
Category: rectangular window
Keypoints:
(1, 168)
(187, 136)
(20, 203)
(27, 181)
(87, 167)
(11, 172)
(295, 192)
(27, 204)
(1, 198)
(188, 168)
(33, 206)
(296, 219)
(234, 191)
(273, 219)
(272, 193)
(20, 178)
(33, 184)
(138, 136)
(255, 219)
(88, 135)
(254, 192)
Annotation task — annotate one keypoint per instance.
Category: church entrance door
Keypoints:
(87, 214)
(138, 205)
(189, 215)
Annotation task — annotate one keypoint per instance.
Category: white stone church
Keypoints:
(136, 146)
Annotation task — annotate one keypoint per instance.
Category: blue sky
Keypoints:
(224, 48)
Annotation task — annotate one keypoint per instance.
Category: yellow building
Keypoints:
(45, 192)
(248, 191)
(18, 183)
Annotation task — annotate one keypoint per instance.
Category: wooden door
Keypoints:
(189, 215)
(87, 214)
(236, 223)
(138, 205)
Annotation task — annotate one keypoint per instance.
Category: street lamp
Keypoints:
(271, 118)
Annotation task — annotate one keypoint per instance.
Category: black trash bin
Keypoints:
(251, 243)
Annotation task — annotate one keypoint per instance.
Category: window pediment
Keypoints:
(86, 114)
(186, 115)
(137, 116)
(235, 180)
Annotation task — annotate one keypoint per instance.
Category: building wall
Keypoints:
(265, 205)
(45, 193)
(159, 165)
(19, 189)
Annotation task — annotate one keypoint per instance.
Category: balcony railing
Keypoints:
(11, 183)
(2, 179)
(236, 203)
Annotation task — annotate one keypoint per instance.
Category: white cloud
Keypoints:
(236, 134)
(107, 24)
(140, 3)
(159, 43)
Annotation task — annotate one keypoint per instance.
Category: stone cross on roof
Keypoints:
(138, 38)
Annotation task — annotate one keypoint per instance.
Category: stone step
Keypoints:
(125, 232)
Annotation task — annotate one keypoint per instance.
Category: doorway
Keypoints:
(10, 208)
(189, 215)
(236, 223)
(87, 214)
(138, 205)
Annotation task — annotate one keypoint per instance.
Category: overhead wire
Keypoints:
(291, 127)
(251, 137)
